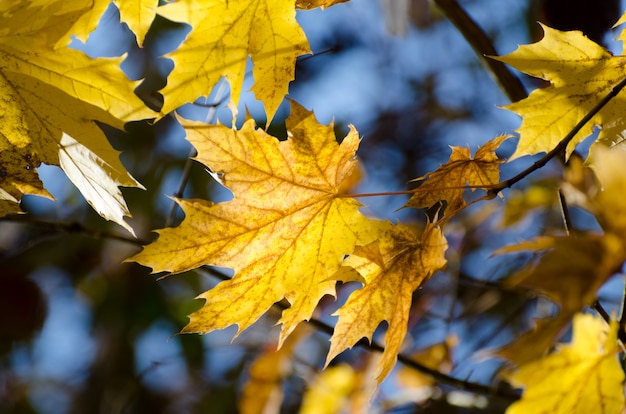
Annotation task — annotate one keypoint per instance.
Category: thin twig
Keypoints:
(483, 47)
(567, 219)
(210, 118)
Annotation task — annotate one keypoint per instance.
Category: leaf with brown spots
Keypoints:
(450, 180)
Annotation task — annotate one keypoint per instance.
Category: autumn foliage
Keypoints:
(294, 229)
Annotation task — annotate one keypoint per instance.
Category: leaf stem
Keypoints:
(562, 145)
(420, 190)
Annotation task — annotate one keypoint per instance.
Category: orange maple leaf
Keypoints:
(448, 182)
(392, 268)
(285, 232)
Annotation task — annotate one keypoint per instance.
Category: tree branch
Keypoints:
(476, 37)
(562, 145)
(404, 359)
(72, 227)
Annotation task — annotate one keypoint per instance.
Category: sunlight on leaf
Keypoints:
(224, 34)
(94, 178)
(581, 73)
(285, 232)
(48, 92)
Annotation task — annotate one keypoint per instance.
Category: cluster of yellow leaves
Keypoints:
(291, 232)
(586, 376)
(51, 98)
(287, 231)
(52, 94)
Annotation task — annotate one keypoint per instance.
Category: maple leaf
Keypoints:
(285, 232)
(137, 14)
(392, 268)
(224, 34)
(582, 377)
(448, 182)
(48, 92)
(569, 272)
(581, 73)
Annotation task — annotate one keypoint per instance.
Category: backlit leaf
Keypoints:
(581, 73)
(48, 92)
(285, 232)
(224, 34)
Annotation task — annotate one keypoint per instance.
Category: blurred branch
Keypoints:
(404, 359)
(72, 227)
(476, 37)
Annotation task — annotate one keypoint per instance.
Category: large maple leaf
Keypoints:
(50, 93)
(581, 73)
(224, 34)
(285, 232)
(392, 268)
(582, 377)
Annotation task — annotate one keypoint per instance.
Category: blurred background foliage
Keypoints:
(82, 332)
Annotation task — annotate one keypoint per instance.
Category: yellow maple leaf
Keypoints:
(448, 181)
(285, 232)
(53, 93)
(569, 272)
(392, 268)
(581, 73)
(224, 34)
(582, 377)
(137, 14)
